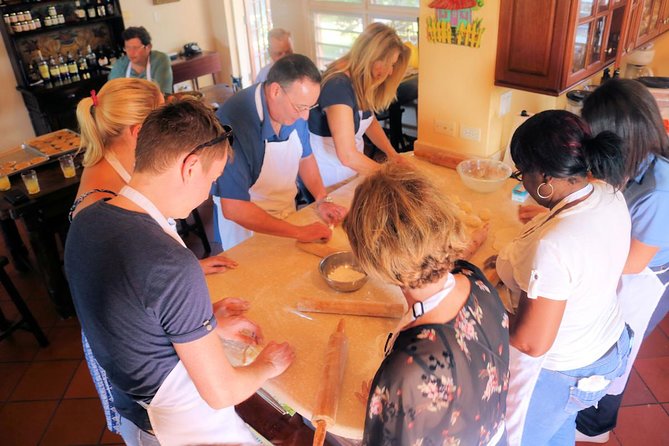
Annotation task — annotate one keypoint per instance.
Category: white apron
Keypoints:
(148, 69)
(117, 166)
(178, 414)
(332, 170)
(638, 295)
(275, 189)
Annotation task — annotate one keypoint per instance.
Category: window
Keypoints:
(258, 23)
(337, 23)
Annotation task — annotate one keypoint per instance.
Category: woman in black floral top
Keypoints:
(445, 378)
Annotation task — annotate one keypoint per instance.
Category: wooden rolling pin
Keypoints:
(438, 156)
(352, 307)
(327, 400)
(317, 249)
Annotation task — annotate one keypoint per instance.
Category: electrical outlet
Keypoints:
(505, 103)
(471, 133)
(446, 127)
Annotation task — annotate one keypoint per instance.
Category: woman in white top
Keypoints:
(355, 87)
(568, 337)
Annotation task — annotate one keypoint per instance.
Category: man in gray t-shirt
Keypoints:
(141, 296)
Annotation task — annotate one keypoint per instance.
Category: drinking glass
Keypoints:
(67, 166)
(4, 182)
(29, 178)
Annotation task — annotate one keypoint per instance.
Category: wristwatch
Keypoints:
(326, 199)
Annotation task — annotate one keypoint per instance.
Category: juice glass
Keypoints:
(67, 166)
(29, 178)
(4, 182)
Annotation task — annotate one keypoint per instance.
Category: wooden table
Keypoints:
(190, 68)
(273, 275)
(45, 218)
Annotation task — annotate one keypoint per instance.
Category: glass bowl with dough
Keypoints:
(483, 175)
(341, 272)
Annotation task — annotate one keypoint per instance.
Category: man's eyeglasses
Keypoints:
(517, 175)
(227, 134)
(299, 108)
(133, 48)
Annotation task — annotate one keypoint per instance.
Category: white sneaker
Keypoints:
(601, 438)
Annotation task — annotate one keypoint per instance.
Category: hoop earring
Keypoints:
(545, 196)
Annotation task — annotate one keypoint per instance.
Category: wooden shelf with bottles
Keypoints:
(547, 47)
(96, 24)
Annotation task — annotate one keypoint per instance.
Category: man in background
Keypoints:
(280, 45)
(141, 61)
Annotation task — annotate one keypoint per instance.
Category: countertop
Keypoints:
(273, 275)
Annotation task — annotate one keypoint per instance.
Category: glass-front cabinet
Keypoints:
(597, 36)
(549, 46)
(653, 20)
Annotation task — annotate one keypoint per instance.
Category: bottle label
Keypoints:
(72, 68)
(44, 71)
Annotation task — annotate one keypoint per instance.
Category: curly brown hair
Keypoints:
(401, 228)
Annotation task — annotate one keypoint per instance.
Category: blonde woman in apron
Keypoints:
(164, 354)
(354, 88)
(628, 108)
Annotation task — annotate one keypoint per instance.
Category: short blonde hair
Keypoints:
(120, 103)
(402, 230)
(376, 43)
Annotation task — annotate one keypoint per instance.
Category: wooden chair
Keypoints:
(27, 320)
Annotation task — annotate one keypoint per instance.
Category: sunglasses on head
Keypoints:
(227, 134)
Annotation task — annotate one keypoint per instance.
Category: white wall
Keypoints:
(15, 124)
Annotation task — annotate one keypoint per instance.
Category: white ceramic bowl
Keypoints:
(483, 175)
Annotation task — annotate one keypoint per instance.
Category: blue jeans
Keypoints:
(556, 399)
(134, 436)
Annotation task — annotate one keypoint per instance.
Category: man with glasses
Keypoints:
(141, 61)
(271, 146)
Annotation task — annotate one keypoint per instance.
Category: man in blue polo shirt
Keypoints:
(271, 147)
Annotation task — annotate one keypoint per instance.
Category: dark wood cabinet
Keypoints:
(547, 46)
(52, 105)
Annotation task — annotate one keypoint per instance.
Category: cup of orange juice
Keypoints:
(29, 178)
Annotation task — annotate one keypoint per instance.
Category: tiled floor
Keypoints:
(47, 397)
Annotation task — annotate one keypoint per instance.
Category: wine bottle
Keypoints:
(43, 66)
(110, 7)
(72, 67)
(91, 60)
(83, 66)
(103, 61)
(54, 70)
(33, 74)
